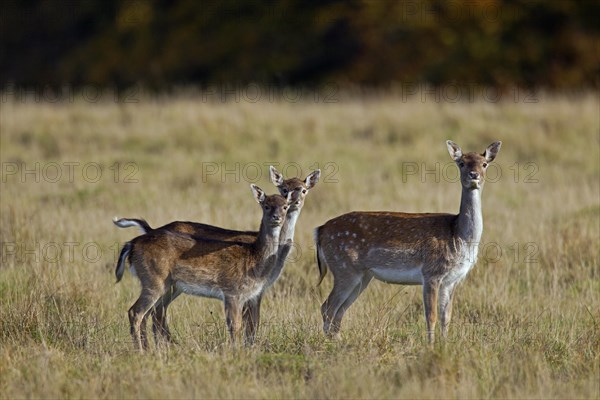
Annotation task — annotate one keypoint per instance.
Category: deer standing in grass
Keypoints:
(433, 250)
(251, 309)
(235, 272)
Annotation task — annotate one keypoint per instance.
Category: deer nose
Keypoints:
(473, 174)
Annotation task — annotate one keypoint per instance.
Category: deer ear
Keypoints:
(312, 179)
(492, 151)
(454, 150)
(258, 193)
(276, 176)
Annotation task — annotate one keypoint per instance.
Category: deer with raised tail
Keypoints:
(251, 309)
(433, 250)
(169, 263)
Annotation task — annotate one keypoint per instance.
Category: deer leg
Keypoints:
(137, 314)
(251, 319)
(342, 290)
(143, 331)
(446, 297)
(233, 315)
(430, 301)
(159, 315)
(358, 289)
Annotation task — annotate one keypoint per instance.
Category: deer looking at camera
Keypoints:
(251, 309)
(433, 250)
(235, 272)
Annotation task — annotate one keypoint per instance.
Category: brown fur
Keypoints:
(168, 263)
(435, 250)
(395, 230)
(251, 310)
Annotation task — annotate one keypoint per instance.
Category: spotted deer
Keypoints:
(168, 263)
(251, 309)
(433, 250)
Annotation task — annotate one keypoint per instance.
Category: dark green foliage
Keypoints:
(500, 43)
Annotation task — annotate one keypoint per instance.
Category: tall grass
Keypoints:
(526, 318)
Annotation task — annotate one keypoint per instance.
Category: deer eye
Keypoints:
(485, 165)
(267, 208)
(304, 191)
(461, 164)
(284, 191)
(285, 207)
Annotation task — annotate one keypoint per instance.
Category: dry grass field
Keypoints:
(526, 322)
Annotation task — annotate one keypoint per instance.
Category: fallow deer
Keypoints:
(235, 272)
(433, 250)
(251, 312)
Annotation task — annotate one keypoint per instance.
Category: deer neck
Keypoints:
(286, 239)
(289, 226)
(267, 244)
(470, 220)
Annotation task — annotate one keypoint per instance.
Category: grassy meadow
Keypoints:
(526, 319)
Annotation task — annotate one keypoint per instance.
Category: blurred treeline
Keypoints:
(535, 43)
